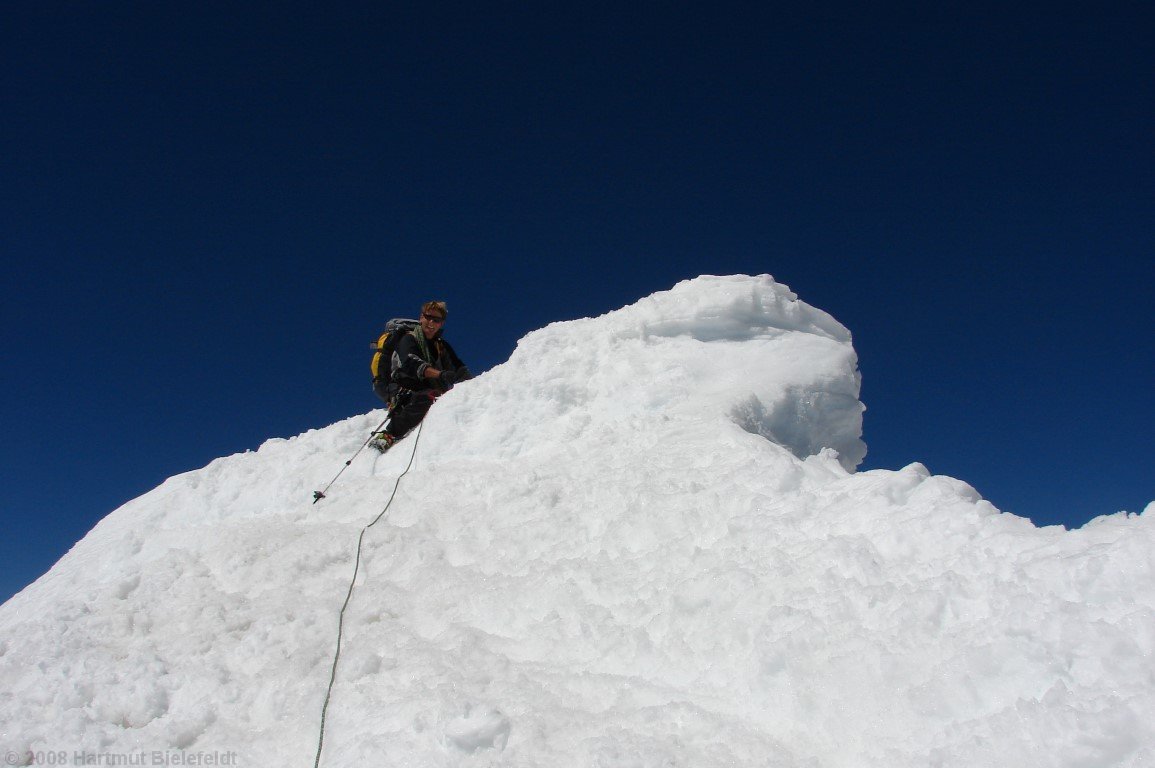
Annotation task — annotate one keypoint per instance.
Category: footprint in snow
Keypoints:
(479, 728)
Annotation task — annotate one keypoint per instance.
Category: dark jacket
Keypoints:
(415, 353)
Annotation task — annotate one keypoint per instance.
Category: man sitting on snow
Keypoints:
(422, 368)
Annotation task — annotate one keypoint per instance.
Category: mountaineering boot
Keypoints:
(382, 441)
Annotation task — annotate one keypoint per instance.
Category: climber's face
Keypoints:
(431, 323)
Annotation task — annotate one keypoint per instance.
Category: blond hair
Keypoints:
(438, 306)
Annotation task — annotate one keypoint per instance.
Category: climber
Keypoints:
(422, 367)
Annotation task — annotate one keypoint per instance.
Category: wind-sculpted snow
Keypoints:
(636, 543)
(712, 350)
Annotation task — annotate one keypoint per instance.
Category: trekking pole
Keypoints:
(318, 495)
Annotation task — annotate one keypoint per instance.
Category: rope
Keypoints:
(349, 596)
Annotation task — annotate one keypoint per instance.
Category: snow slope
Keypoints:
(639, 542)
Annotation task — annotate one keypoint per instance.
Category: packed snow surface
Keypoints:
(639, 542)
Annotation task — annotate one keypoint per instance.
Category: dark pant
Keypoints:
(407, 409)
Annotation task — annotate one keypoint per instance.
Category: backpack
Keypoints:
(383, 348)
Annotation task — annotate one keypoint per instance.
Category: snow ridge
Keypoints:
(639, 542)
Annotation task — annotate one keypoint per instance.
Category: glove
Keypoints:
(447, 379)
(463, 374)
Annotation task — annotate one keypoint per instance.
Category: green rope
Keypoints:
(349, 596)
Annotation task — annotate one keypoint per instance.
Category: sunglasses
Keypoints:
(433, 318)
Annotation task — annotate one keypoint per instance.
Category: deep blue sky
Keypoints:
(209, 209)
